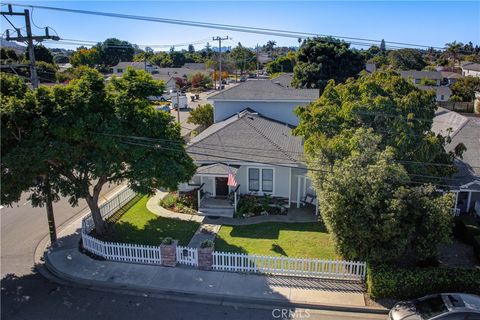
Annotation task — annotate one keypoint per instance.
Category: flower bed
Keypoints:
(185, 203)
(252, 205)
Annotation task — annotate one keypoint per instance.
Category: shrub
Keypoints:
(206, 244)
(466, 229)
(394, 282)
(169, 201)
(167, 240)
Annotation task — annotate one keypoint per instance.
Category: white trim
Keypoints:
(260, 181)
(299, 165)
(259, 100)
(456, 199)
(298, 191)
(469, 184)
(289, 187)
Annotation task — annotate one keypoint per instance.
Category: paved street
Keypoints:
(33, 297)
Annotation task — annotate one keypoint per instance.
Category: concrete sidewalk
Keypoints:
(71, 265)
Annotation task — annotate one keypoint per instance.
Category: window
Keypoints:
(253, 179)
(442, 97)
(267, 180)
(119, 70)
(260, 179)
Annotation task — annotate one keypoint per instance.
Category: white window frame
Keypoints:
(260, 181)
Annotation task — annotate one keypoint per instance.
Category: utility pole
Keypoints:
(258, 65)
(34, 80)
(219, 39)
(28, 39)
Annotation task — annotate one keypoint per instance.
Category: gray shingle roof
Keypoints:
(451, 75)
(285, 80)
(247, 137)
(442, 90)
(260, 90)
(134, 64)
(466, 130)
(471, 66)
(415, 74)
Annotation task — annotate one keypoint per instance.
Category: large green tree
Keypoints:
(322, 59)
(394, 108)
(112, 51)
(371, 211)
(406, 59)
(41, 52)
(243, 58)
(85, 57)
(282, 64)
(464, 89)
(92, 139)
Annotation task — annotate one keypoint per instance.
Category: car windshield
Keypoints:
(456, 301)
(430, 307)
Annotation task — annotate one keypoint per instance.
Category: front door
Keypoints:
(221, 187)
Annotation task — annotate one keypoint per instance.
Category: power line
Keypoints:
(229, 27)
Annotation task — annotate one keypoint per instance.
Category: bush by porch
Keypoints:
(184, 203)
(300, 240)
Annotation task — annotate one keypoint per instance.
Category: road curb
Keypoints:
(215, 299)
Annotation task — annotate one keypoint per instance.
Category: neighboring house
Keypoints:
(417, 76)
(264, 96)
(442, 93)
(466, 182)
(63, 66)
(259, 152)
(264, 58)
(169, 81)
(370, 67)
(284, 79)
(199, 66)
(471, 69)
(449, 77)
(121, 67)
(179, 72)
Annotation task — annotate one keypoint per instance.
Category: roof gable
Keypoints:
(247, 137)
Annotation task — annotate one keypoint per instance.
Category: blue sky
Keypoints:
(430, 23)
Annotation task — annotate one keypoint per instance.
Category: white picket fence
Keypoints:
(222, 261)
(329, 269)
(187, 255)
(108, 208)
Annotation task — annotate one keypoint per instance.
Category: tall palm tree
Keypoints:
(453, 49)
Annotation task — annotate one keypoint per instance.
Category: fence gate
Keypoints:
(187, 255)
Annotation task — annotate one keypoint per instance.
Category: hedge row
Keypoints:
(394, 282)
(466, 229)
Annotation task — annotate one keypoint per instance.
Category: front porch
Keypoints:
(219, 207)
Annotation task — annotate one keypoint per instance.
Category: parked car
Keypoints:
(165, 108)
(243, 79)
(443, 306)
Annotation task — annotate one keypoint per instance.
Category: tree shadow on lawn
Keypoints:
(271, 230)
(153, 232)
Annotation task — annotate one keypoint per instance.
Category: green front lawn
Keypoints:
(296, 240)
(139, 225)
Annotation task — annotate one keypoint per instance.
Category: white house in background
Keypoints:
(266, 97)
(121, 67)
(466, 182)
(259, 152)
(471, 69)
(442, 93)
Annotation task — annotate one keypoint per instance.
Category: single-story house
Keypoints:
(265, 97)
(121, 67)
(442, 93)
(260, 153)
(169, 81)
(198, 66)
(466, 182)
(416, 76)
(471, 69)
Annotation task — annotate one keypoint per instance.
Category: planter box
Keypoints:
(168, 252)
(205, 258)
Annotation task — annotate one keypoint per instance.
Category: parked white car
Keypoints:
(182, 100)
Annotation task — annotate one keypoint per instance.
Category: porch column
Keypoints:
(290, 188)
(298, 191)
(456, 200)
(469, 200)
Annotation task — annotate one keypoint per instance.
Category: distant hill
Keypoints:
(12, 45)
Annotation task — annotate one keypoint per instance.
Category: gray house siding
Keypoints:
(280, 111)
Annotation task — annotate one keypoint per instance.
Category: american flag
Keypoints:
(231, 180)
